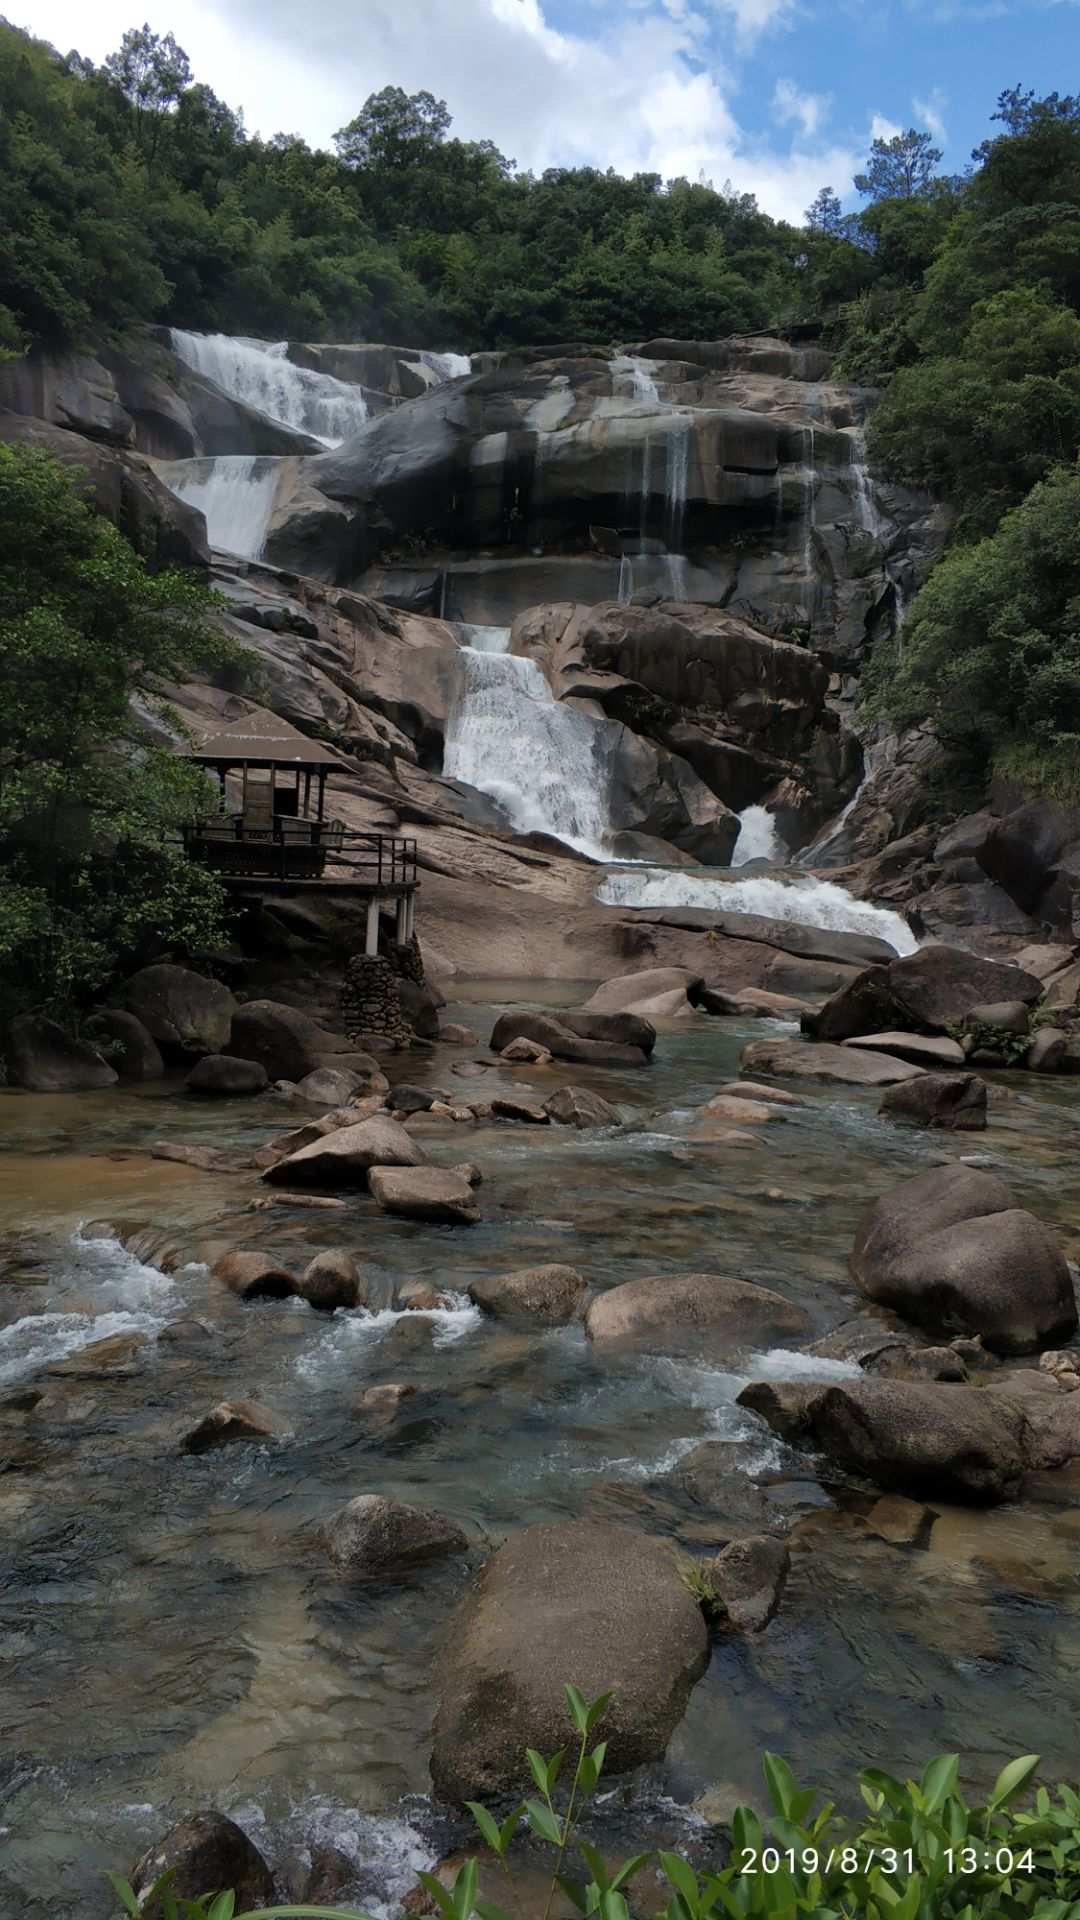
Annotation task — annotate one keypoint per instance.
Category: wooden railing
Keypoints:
(296, 849)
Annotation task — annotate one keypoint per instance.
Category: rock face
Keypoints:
(949, 1251)
(205, 1852)
(378, 1539)
(187, 1014)
(290, 1046)
(924, 992)
(955, 1102)
(943, 1442)
(548, 1295)
(222, 1076)
(131, 1050)
(674, 1313)
(749, 1577)
(344, 1158)
(425, 1193)
(581, 1599)
(44, 1059)
(602, 1039)
(803, 1060)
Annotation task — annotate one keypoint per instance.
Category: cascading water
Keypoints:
(626, 581)
(809, 509)
(759, 838)
(804, 902)
(448, 366)
(260, 374)
(235, 492)
(508, 736)
(634, 378)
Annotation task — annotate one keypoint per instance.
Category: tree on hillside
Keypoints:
(393, 129)
(825, 214)
(92, 875)
(901, 168)
(152, 72)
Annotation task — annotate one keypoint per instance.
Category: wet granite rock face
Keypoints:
(204, 1852)
(374, 1538)
(221, 1076)
(954, 1102)
(44, 1059)
(925, 992)
(673, 1313)
(588, 1598)
(345, 1157)
(547, 1295)
(187, 1014)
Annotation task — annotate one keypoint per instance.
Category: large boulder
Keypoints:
(545, 1295)
(186, 1013)
(127, 1045)
(955, 1102)
(44, 1059)
(677, 1313)
(949, 1251)
(252, 1275)
(332, 1279)
(222, 1076)
(597, 1039)
(204, 1853)
(441, 1194)
(290, 1045)
(580, 1601)
(941, 1442)
(806, 1060)
(925, 992)
(374, 1538)
(345, 1157)
(580, 1107)
(628, 991)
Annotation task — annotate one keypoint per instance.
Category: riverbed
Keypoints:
(171, 1633)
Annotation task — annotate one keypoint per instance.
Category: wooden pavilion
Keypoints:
(281, 839)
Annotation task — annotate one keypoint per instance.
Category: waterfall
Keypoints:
(809, 509)
(626, 581)
(634, 378)
(448, 366)
(866, 506)
(803, 902)
(758, 839)
(259, 373)
(676, 477)
(543, 761)
(235, 492)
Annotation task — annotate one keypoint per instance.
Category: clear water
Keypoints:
(259, 373)
(170, 1635)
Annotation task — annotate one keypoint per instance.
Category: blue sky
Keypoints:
(779, 96)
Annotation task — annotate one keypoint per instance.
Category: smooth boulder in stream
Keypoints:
(672, 1313)
(204, 1852)
(345, 1157)
(580, 1601)
(950, 1251)
(597, 1039)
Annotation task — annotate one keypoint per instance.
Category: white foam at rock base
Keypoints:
(347, 1329)
(138, 1299)
(801, 902)
(759, 838)
(259, 374)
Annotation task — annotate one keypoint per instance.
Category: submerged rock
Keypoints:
(550, 1295)
(583, 1600)
(749, 1577)
(602, 1039)
(949, 1251)
(955, 1102)
(226, 1424)
(809, 1060)
(374, 1538)
(204, 1853)
(673, 1313)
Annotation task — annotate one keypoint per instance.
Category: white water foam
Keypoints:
(759, 838)
(634, 378)
(802, 902)
(448, 366)
(348, 1330)
(260, 374)
(138, 1299)
(386, 1850)
(235, 493)
(542, 760)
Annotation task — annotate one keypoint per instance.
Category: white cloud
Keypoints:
(930, 113)
(882, 129)
(810, 110)
(635, 94)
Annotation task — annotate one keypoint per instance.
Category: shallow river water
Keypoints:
(171, 1634)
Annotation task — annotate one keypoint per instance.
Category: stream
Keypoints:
(171, 1634)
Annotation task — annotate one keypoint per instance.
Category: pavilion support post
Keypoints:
(410, 919)
(371, 943)
(402, 919)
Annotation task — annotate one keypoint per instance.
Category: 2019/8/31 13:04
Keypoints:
(888, 1860)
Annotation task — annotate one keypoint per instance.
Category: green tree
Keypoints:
(825, 214)
(901, 168)
(152, 73)
(393, 129)
(92, 871)
(990, 653)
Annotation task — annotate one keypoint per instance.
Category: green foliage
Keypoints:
(918, 1852)
(90, 866)
(991, 648)
(901, 168)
